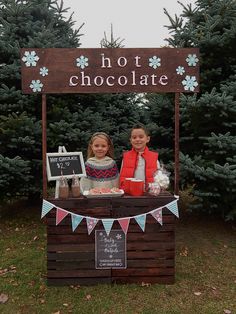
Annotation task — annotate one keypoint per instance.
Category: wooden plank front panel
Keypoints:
(70, 255)
(150, 254)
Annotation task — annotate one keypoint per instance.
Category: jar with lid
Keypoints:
(75, 187)
(63, 188)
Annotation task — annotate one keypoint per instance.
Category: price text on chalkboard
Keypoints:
(66, 164)
(110, 251)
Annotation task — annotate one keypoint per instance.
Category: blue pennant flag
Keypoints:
(141, 220)
(46, 207)
(76, 220)
(173, 207)
(107, 223)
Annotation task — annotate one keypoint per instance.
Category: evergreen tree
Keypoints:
(35, 24)
(208, 120)
(71, 118)
(159, 119)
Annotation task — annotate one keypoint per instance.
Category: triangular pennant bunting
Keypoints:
(46, 207)
(60, 215)
(124, 223)
(107, 223)
(141, 220)
(173, 207)
(76, 220)
(91, 223)
(157, 214)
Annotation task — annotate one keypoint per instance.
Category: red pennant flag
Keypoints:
(124, 223)
(60, 215)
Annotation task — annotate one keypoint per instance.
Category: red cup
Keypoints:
(127, 185)
(136, 187)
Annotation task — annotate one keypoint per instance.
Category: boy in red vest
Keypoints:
(139, 162)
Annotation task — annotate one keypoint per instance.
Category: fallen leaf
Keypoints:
(184, 252)
(31, 283)
(3, 298)
(12, 267)
(197, 293)
(145, 284)
(226, 311)
(35, 238)
(75, 287)
(17, 229)
(42, 301)
(65, 304)
(58, 312)
(88, 297)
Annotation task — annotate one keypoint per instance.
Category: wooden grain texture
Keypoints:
(128, 70)
(150, 254)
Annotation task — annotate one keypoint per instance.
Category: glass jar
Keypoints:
(63, 188)
(154, 188)
(75, 187)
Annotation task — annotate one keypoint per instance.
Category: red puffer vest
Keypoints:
(129, 165)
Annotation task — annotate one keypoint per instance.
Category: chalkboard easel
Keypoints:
(67, 164)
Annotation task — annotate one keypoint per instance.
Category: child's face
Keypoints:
(139, 139)
(99, 147)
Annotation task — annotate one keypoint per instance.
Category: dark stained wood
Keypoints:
(117, 70)
(176, 183)
(44, 143)
(150, 254)
(78, 281)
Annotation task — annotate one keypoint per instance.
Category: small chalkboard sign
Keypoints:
(110, 251)
(66, 164)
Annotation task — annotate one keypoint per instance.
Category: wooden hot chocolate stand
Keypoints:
(125, 239)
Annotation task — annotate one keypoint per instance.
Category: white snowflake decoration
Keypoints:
(190, 83)
(30, 58)
(82, 62)
(43, 71)
(180, 70)
(118, 236)
(154, 62)
(192, 60)
(36, 85)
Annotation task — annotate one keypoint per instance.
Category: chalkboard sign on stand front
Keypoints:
(110, 250)
(66, 164)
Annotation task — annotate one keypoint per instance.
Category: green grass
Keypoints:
(205, 262)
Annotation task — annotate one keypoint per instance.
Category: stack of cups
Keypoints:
(134, 187)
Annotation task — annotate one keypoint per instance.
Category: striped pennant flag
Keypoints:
(173, 207)
(60, 215)
(141, 220)
(107, 223)
(76, 220)
(46, 207)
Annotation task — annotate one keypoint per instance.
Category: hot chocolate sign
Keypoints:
(109, 70)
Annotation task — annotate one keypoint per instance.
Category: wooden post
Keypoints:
(176, 188)
(44, 143)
